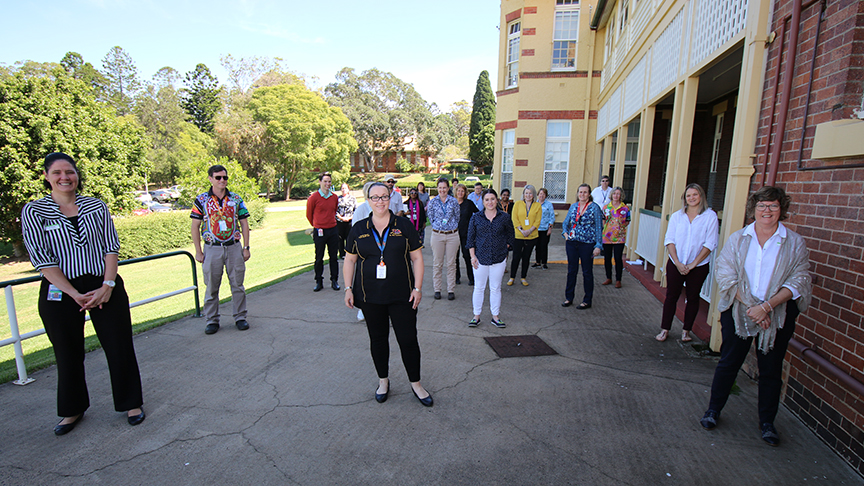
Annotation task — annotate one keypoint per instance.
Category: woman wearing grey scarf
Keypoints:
(763, 284)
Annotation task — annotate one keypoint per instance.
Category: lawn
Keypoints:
(280, 249)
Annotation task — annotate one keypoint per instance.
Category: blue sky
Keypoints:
(439, 46)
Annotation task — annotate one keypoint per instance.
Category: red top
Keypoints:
(321, 212)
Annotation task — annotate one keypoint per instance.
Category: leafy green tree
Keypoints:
(201, 97)
(481, 146)
(48, 113)
(75, 66)
(385, 111)
(121, 78)
(303, 132)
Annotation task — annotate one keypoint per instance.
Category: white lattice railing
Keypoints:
(664, 56)
(715, 22)
(648, 238)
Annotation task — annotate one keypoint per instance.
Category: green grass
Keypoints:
(280, 250)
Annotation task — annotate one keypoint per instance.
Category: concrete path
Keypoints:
(291, 402)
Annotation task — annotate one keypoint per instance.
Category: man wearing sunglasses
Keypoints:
(219, 217)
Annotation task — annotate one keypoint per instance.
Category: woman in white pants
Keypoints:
(490, 236)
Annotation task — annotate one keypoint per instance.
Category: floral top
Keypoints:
(490, 239)
(443, 216)
(615, 226)
(221, 217)
(585, 227)
(345, 208)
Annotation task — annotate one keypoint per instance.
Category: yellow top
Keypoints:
(520, 215)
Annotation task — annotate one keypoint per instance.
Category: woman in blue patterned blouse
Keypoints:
(490, 233)
(583, 230)
(541, 254)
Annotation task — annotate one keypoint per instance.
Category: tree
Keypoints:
(303, 132)
(75, 66)
(481, 146)
(384, 110)
(201, 97)
(49, 113)
(158, 110)
(121, 78)
(447, 136)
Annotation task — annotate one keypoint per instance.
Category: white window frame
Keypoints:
(560, 38)
(508, 145)
(718, 136)
(557, 143)
(514, 35)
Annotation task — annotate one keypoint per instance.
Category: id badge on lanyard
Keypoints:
(381, 269)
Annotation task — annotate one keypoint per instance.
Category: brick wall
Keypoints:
(828, 211)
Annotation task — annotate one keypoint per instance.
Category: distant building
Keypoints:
(386, 162)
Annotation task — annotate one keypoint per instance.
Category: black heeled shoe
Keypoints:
(63, 429)
(136, 419)
(427, 402)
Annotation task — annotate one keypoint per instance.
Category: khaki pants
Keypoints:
(215, 259)
(444, 248)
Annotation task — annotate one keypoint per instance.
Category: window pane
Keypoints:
(507, 180)
(556, 184)
(509, 137)
(507, 160)
(558, 129)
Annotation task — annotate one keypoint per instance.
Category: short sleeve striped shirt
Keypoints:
(52, 239)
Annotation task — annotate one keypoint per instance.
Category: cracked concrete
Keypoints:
(291, 402)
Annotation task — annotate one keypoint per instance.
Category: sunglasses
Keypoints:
(221, 178)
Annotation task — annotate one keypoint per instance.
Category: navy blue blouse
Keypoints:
(490, 239)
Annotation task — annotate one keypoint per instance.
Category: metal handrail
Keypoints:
(16, 338)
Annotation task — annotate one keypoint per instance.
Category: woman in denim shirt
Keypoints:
(541, 255)
(583, 230)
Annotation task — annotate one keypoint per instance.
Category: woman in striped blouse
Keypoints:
(72, 242)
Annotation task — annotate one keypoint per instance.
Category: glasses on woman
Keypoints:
(379, 198)
(768, 207)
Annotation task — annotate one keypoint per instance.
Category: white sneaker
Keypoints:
(360, 315)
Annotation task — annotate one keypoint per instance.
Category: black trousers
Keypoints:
(734, 351)
(674, 285)
(466, 256)
(330, 239)
(344, 227)
(618, 251)
(522, 254)
(541, 255)
(404, 319)
(64, 324)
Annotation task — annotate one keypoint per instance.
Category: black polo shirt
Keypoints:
(401, 240)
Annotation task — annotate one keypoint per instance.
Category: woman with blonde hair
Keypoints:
(526, 220)
(690, 239)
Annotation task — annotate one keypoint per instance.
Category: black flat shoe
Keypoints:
(63, 429)
(583, 306)
(211, 328)
(136, 419)
(334, 285)
(769, 434)
(318, 287)
(381, 397)
(566, 303)
(451, 296)
(437, 295)
(427, 402)
(242, 324)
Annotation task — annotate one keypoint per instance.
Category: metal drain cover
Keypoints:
(517, 346)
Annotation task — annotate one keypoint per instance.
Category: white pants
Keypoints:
(495, 274)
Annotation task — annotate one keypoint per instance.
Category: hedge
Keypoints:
(163, 232)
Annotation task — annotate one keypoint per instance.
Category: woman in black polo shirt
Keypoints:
(72, 242)
(384, 264)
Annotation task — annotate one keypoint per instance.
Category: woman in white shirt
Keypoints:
(690, 239)
(763, 283)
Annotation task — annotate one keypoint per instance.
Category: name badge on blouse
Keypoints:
(444, 221)
(527, 223)
(54, 294)
(223, 226)
(52, 227)
(381, 271)
(320, 232)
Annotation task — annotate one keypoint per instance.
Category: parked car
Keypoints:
(157, 208)
(142, 196)
(175, 191)
(162, 195)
